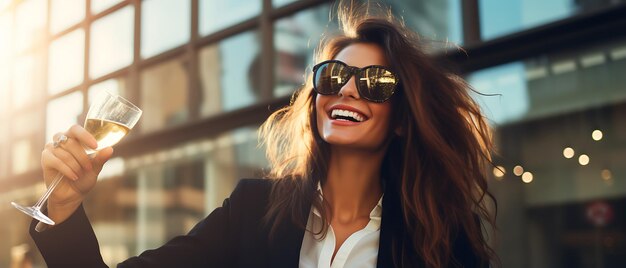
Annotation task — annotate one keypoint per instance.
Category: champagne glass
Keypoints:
(109, 119)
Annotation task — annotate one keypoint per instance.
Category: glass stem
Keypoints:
(44, 197)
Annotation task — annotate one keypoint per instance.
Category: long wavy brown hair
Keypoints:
(438, 164)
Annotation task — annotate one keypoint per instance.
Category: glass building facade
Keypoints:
(206, 71)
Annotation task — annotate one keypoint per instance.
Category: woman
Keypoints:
(378, 161)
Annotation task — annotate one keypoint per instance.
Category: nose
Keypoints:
(349, 89)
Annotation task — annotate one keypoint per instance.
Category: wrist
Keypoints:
(61, 212)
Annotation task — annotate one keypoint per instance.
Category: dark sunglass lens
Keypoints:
(329, 78)
(377, 83)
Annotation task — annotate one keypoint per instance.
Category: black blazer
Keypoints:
(231, 236)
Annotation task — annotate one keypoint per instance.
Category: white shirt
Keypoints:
(359, 250)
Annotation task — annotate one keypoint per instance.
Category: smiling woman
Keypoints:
(379, 161)
(421, 140)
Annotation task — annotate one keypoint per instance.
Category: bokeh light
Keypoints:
(518, 170)
(527, 177)
(568, 152)
(583, 160)
(606, 174)
(499, 172)
(596, 135)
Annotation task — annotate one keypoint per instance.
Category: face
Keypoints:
(370, 133)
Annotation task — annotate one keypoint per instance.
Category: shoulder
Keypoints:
(264, 186)
(254, 183)
(251, 188)
(251, 194)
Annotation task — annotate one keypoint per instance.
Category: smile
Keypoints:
(345, 115)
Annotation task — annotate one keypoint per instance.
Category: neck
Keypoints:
(353, 184)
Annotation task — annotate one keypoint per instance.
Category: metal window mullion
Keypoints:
(471, 21)
(86, 24)
(10, 109)
(194, 97)
(266, 73)
(134, 83)
(295, 7)
(43, 90)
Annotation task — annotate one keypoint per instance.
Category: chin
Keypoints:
(351, 143)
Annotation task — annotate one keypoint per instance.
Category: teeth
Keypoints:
(337, 112)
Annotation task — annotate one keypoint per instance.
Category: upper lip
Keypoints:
(346, 107)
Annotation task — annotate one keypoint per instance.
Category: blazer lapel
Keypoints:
(285, 247)
(391, 223)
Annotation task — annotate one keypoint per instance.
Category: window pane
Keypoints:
(27, 123)
(297, 36)
(200, 174)
(100, 5)
(279, 3)
(111, 46)
(514, 103)
(219, 14)
(295, 39)
(30, 25)
(236, 155)
(228, 73)
(164, 95)
(553, 84)
(432, 19)
(65, 13)
(159, 34)
(62, 113)
(5, 124)
(6, 33)
(28, 78)
(114, 85)
(4, 153)
(67, 57)
(23, 156)
(567, 206)
(499, 18)
(23, 80)
(4, 91)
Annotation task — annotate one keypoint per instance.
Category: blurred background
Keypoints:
(208, 72)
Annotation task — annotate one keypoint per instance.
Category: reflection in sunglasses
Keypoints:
(386, 79)
(367, 80)
(336, 77)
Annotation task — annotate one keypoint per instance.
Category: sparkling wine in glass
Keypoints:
(109, 119)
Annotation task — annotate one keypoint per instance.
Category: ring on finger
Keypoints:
(62, 139)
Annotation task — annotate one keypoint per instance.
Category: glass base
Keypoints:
(35, 213)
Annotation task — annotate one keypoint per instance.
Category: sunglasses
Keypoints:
(374, 83)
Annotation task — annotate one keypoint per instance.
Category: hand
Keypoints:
(80, 171)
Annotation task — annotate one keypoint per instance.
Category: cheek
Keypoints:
(320, 102)
(383, 112)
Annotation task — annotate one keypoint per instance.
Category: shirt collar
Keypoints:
(375, 214)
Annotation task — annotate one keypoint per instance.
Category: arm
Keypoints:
(70, 243)
(74, 244)
(211, 243)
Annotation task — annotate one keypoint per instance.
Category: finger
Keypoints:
(57, 136)
(83, 136)
(101, 157)
(68, 160)
(78, 152)
(50, 161)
